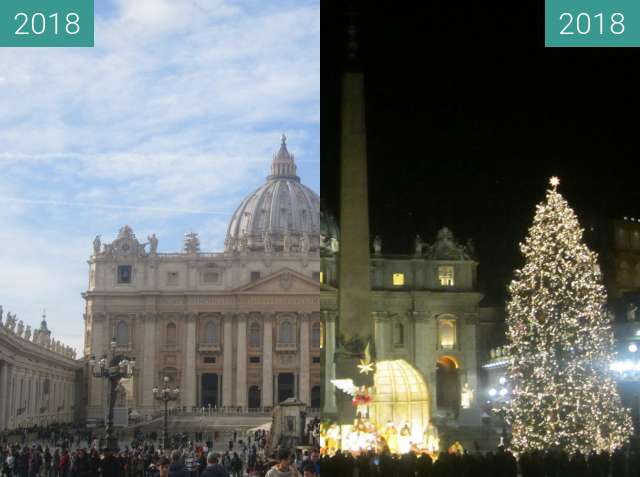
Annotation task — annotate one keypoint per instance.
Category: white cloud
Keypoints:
(165, 125)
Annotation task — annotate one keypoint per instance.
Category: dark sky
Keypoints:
(468, 115)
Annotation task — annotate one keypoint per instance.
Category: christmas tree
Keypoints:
(561, 341)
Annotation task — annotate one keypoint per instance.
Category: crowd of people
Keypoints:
(60, 452)
(502, 463)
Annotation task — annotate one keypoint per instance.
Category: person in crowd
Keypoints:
(309, 471)
(284, 467)
(177, 467)
(214, 469)
(163, 468)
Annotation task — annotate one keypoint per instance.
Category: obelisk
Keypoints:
(355, 328)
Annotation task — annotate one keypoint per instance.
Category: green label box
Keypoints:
(42, 23)
(592, 23)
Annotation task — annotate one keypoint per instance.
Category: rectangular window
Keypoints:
(254, 359)
(321, 277)
(209, 360)
(172, 278)
(398, 279)
(210, 277)
(315, 276)
(445, 275)
(124, 273)
(255, 276)
(316, 360)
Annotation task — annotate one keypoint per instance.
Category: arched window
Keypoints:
(254, 397)
(122, 334)
(286, 332)
(171, 334)
(254, 335)
(447, 333)
(211, 333)
(398, 334)
(315, 335)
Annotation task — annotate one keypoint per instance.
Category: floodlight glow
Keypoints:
(627, 365)
(503, 392)
(492, 392)
(502, 380)
(633, 347)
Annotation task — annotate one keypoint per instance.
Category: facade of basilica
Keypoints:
(238, 328)
(425, 307)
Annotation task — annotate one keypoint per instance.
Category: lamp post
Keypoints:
(113, 370)
(499, 397)
(165, 394)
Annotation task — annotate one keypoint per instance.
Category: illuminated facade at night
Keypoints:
(426, 311)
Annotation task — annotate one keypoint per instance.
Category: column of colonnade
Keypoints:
(23, 393)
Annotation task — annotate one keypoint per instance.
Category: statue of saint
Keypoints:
(1, 313)
(11, 322)
(96, 245)
(27, 333)
(377, 245)
(20, 328)
(153, 244)
(631, 312)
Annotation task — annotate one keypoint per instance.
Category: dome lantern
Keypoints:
(283, 165)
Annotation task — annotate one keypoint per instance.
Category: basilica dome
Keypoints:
(282, 211)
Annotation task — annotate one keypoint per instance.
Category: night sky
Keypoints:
(468, 117)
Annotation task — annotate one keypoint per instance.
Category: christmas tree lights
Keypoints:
(561, 341)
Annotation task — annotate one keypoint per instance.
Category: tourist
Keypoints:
(177, 467)
(284, 467)
(214, 469)
(163, 468)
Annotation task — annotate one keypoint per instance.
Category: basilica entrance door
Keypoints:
(209, 390)
(448, 385)
(254, 397)
(286, 383)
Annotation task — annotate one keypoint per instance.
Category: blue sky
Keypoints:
(165, 126)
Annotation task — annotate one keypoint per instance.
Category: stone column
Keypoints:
(425, 351)
(99, 333)
(241, 383)
(267, 360)
(189, 390)
(148, 371)
(379, 324)
(329, 393)
(227, 370)
(305, 360)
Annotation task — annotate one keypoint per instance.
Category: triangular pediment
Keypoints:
(284, 280)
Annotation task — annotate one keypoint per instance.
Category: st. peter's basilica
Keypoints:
(238, 328)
